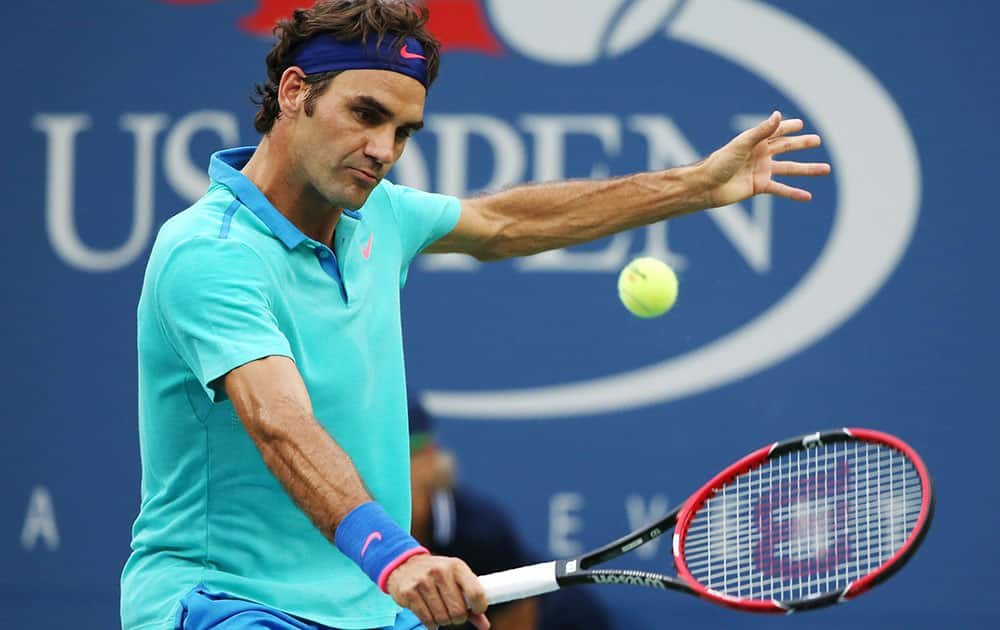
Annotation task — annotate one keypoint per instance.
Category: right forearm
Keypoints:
(271, 400)
(314, 470)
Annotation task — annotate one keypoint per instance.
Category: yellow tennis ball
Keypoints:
(647, 287)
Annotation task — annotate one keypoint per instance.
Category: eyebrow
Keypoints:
(379, 106)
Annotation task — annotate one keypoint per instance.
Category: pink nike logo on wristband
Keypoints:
(366, 251)
(406, 54)
(371, 538)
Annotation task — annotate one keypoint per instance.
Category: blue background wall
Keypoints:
(112, 108)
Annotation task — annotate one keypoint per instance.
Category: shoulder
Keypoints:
(400, 198)
(202, 220)
(217, 228)
(382, 202)
(205, 216)
(386, 192)
(206, 244)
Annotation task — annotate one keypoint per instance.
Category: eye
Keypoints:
(404, 133)
(366, 115)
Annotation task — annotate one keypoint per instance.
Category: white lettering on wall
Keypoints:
(641, 513)
(564, 522)
(537, 139)
(61, 131)
(453, 133)
(188, 178)
(550, 134)
(749, 233)
(40, 522)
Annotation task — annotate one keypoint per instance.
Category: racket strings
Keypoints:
(806, 523)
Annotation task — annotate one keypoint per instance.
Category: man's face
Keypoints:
(357, 130)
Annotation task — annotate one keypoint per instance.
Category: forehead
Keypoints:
(403, 95)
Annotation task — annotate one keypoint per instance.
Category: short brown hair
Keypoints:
(346, 20)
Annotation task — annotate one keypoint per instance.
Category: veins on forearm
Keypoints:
(314, 470)
(532, 219)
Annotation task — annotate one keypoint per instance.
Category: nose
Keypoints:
(381, 145)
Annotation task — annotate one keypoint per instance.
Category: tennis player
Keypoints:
(272, 419)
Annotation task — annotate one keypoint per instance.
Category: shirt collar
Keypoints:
(225, 168)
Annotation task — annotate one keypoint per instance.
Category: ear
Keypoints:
(292, 91)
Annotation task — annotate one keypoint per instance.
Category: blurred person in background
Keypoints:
(452, 519)
(272, 403)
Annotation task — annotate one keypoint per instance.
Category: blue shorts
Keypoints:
(218, 611)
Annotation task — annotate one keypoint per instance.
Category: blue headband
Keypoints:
(324, 53)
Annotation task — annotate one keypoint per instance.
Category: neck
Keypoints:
(273, 172)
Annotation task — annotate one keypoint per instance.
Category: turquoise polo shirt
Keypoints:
(231, 280)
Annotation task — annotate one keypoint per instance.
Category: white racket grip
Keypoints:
(519, 583)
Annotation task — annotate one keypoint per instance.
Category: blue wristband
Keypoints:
(373, 540)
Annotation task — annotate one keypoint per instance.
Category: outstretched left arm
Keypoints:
(535, 218)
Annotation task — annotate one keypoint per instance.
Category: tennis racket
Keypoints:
(800, 524)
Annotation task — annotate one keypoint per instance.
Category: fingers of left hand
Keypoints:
(811, 169)
(791, 125)
(789, 192)
(793, 143)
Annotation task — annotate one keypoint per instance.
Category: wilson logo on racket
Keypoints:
(630, 580)
(799, 524)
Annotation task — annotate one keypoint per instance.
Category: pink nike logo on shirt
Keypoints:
(366, 251)
(371, 537)
(406, 54)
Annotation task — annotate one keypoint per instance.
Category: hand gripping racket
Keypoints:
(800, 524)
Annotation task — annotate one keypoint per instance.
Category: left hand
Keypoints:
(746, 166)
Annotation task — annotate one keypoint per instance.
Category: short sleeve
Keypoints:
(213, 300)
(423, 217)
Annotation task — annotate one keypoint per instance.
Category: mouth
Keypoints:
(366, 176)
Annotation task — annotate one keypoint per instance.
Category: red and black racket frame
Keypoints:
(578, 570)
